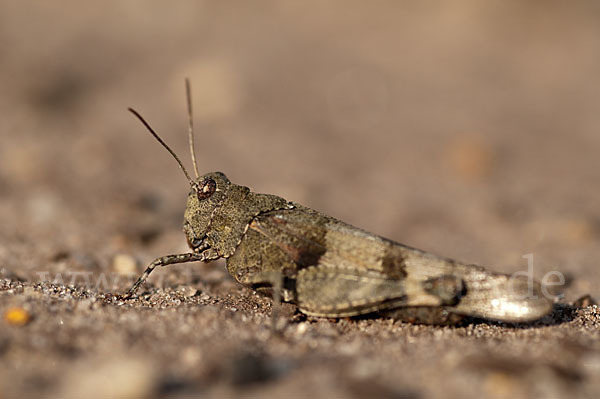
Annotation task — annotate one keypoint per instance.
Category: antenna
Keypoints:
(133, 111)
(188, 94)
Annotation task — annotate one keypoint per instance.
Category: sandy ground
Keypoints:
(468, 130)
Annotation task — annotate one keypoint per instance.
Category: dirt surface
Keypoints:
(468, 129)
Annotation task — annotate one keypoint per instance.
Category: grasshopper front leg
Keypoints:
(165, 261)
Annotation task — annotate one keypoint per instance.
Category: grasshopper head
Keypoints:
(208, 194)
(204, 198)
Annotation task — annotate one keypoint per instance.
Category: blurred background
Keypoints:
(467, 128)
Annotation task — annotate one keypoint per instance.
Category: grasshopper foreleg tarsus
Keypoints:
(163, 261)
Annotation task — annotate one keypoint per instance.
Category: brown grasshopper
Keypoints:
(329, 268)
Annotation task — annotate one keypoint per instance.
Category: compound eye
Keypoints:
(207, 188)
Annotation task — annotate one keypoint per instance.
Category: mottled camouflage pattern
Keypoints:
(331, 269)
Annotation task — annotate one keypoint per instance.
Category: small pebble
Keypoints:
(302, 327)
(188, 291)
(585, 301)
(17, 316)
(204, 297)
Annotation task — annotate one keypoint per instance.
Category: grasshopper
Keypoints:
(328, 268)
